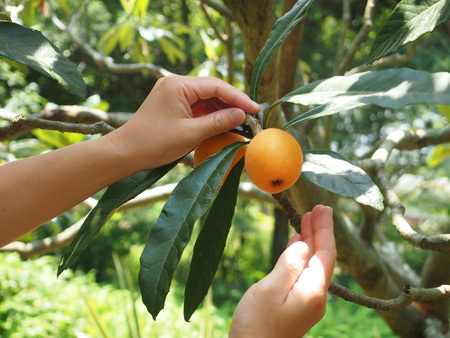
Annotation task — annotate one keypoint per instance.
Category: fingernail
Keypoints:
(237, 116)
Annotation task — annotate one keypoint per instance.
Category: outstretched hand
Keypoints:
(292, 298)
(165, 123)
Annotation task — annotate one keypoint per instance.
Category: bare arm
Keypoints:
(34, 190)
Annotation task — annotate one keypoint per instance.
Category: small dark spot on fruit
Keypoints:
(277, 183)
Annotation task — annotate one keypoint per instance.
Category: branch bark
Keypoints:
(21, 124)
(408, 295)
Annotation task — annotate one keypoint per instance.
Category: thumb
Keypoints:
(289, 266)
(219, 122)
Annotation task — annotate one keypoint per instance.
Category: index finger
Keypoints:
(324, 255)
(210, 87)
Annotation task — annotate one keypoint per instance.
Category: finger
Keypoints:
(321, 264)
(307, 231)
(289, 267)
(209, 87)
(215, 123)
(293, 239)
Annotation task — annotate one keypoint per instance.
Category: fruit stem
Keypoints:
(295, 218)
(253, 124)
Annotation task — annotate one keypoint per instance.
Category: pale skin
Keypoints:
(291, 299)
(162, 130)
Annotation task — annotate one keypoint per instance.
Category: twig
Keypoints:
(346, 20)
(295, 218)
(226, 39)
(388, 60)
(106, 61)
(21, 123)
(359, 39)
(253, 124)
(409, 295)
(219, 8)
(222, 37)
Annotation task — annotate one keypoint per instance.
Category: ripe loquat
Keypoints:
(273, 160)
(216, 143)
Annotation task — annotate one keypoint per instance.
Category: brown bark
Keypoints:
(255, 20)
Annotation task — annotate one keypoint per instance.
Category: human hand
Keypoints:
(291, 299)
(163, 128)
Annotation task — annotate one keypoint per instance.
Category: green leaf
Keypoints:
(439, 154)
(334, 173)
(28, 13)
(390, 88)
(30, 47)
(409, 20)
(58, 139)
(280, 31)
(444, 110)
(210, 243)
(114, 196)
(172, 230)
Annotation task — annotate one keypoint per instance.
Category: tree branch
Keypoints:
(106, 61)
(21, 124)
(227, 38)
(406, 140)
(388, 60)
(219, 8)
(409, 295)
(359, 39)
(436, 242)
(295, 218)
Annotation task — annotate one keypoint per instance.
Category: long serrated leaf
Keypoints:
(334, 173)
(210, 243)
(390, 88)
(28, 46)
(280, 31)
(409, 20)
(114, 196)
(172, 230)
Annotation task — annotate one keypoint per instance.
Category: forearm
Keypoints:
(37, 189)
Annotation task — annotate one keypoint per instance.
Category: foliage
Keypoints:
(31, 48)
(33, 303)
